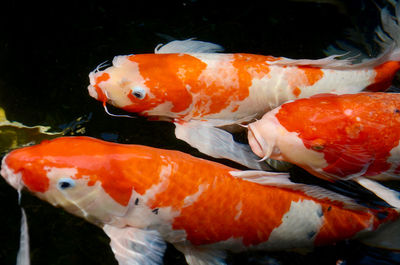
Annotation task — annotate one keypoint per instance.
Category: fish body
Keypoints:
(225, 87)
(200, 91)
(143, 196)
(334, 136)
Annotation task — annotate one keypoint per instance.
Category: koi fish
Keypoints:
(188, 83)
(354, 136)
(143, 197)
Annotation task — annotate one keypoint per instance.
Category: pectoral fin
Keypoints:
(133, 246)
(263, 177)
(217, 143)
(390, 196)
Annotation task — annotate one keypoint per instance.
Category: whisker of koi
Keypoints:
(102, 66)
(111, 114)
(116, 115)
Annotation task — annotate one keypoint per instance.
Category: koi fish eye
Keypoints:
(138, 92)
(65, 183)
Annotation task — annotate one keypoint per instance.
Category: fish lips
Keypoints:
(12, 178)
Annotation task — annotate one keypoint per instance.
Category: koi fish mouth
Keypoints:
(15, 180)
(257, 143)
(92, 92)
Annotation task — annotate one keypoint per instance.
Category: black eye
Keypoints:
(65, 183)
(139, 92)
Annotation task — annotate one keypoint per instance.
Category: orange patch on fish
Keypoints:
(302, 76)
(313, 74)
(384, 76)
(167, 77)
(336, 224)
(227, 208)
(187, 82)
(64, 153)
(358, 131)
(296, 91)
(37, 181)
(100, 95)
(214, 95)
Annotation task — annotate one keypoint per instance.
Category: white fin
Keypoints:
(387, 236)
(390, 196)
(328, 62)
(217, 143)
(188, 46)
(263, 177)
(23, 257)
(202, 256)
(387, 37)
(281, 179)
(133, 246)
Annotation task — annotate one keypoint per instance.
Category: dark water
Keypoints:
(47, 51)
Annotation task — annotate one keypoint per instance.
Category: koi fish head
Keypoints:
(142, 84)
(120, 85)
(55, 172)
(269, 139)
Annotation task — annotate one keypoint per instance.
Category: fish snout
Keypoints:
(257, 143)
(12, 178)
(91, 88)
(92, 92)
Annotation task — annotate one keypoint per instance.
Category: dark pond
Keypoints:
(47, 51)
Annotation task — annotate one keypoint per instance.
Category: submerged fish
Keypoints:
(354, 136)
(142, 197)
(199, 90)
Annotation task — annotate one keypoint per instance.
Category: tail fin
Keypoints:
(387, 38)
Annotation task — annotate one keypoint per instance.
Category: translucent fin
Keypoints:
(23, 257)
(188, 46)
(263, 177)
(390, 196)
(280, 179)
(387, 236)
(327, 62)
(133, 246)
(202, 256)
(217, 143)
(387, 37)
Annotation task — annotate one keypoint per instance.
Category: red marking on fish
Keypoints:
(352, 131)
(303, 76)
(166, 79)
(384, 76)
(100, 94)
(313, 74)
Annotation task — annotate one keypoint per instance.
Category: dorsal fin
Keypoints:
(281, 179)
(188, 46)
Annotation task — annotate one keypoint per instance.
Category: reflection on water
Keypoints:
(47, 52)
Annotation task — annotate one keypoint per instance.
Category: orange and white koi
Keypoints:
(199, 90)
(354, 136)
(144, 196)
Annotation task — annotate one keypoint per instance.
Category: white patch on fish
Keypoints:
(239, 210)
(189, 200)
(299, 227)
